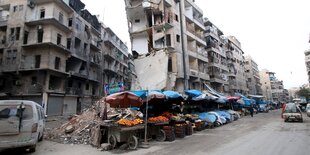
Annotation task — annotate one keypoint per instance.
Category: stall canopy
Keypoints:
(155, 95)
(140, 93)
(124, 100)
(203, 97)
(233, 97)
(221, 98)
(246, 101)
(193, 93)
(173, 95)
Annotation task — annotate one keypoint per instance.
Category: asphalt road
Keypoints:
(264, 134)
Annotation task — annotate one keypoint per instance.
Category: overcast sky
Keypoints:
(274, 32)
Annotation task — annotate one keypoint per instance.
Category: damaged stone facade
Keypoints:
(175, 27)
(272, 87)
(253, 79)
(236, 66)
(218, 67)
(198, 52)
(54, 52)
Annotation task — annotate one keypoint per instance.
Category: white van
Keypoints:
(21, 124)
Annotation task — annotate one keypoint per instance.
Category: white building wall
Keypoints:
(140, 45)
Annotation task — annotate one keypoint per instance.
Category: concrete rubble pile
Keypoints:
(80, 129)
(86, 128)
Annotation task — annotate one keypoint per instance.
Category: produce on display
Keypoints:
(158, 119)
(127, 122)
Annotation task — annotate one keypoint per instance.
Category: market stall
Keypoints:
(126, 125)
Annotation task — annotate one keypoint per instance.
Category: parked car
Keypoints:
(292, 113)
(308, 109)
(22, 124)
(263, 108)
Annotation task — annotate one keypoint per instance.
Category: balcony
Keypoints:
(217, 78)
(74, 91)
(111, 70)
(204, 76)
(95, 45)
(193, 73)
(95, 60)
(114, 43)
(45, 45)
(199, 22)
(60, 3)
(80, 74)
(4, 21)
(49, 21)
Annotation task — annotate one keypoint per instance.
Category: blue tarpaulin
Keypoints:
(207, 117)
(224, 114)
(172, 94)
(140, 93)
(193, 93)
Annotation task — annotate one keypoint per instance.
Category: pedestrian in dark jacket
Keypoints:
(251, 111)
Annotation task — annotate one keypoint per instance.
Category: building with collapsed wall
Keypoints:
(170, 36)
(56, 53)
(181, 50)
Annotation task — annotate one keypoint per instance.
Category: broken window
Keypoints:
(70, 83)
(13, 56)
(70, 22)
(168, 40)
(17, 34)
(170, 65)
(176, 17)
(26, 33)
(59, 39)
(12, 36)
(61, 17)
(69, 43)
(178, 38)
(37, 61)
(87, 86)
(54, 82)
(42, 13)
(40, 35)
(57, 63)
(8, 57)
(137, 20)
(15, 8)
(77, 43)
(85, 47)
(78, 24)
(33, 80)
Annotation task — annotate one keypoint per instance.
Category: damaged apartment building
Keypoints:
(181, 49)
(236, 66)
(273, 89)
(168, 36)
(218, 69)
(252, 74)
(56, 53)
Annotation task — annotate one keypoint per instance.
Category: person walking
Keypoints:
(251, 111)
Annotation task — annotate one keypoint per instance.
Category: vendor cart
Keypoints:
(155, 129)
(121, 134)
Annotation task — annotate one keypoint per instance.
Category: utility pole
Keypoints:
(182, 43)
